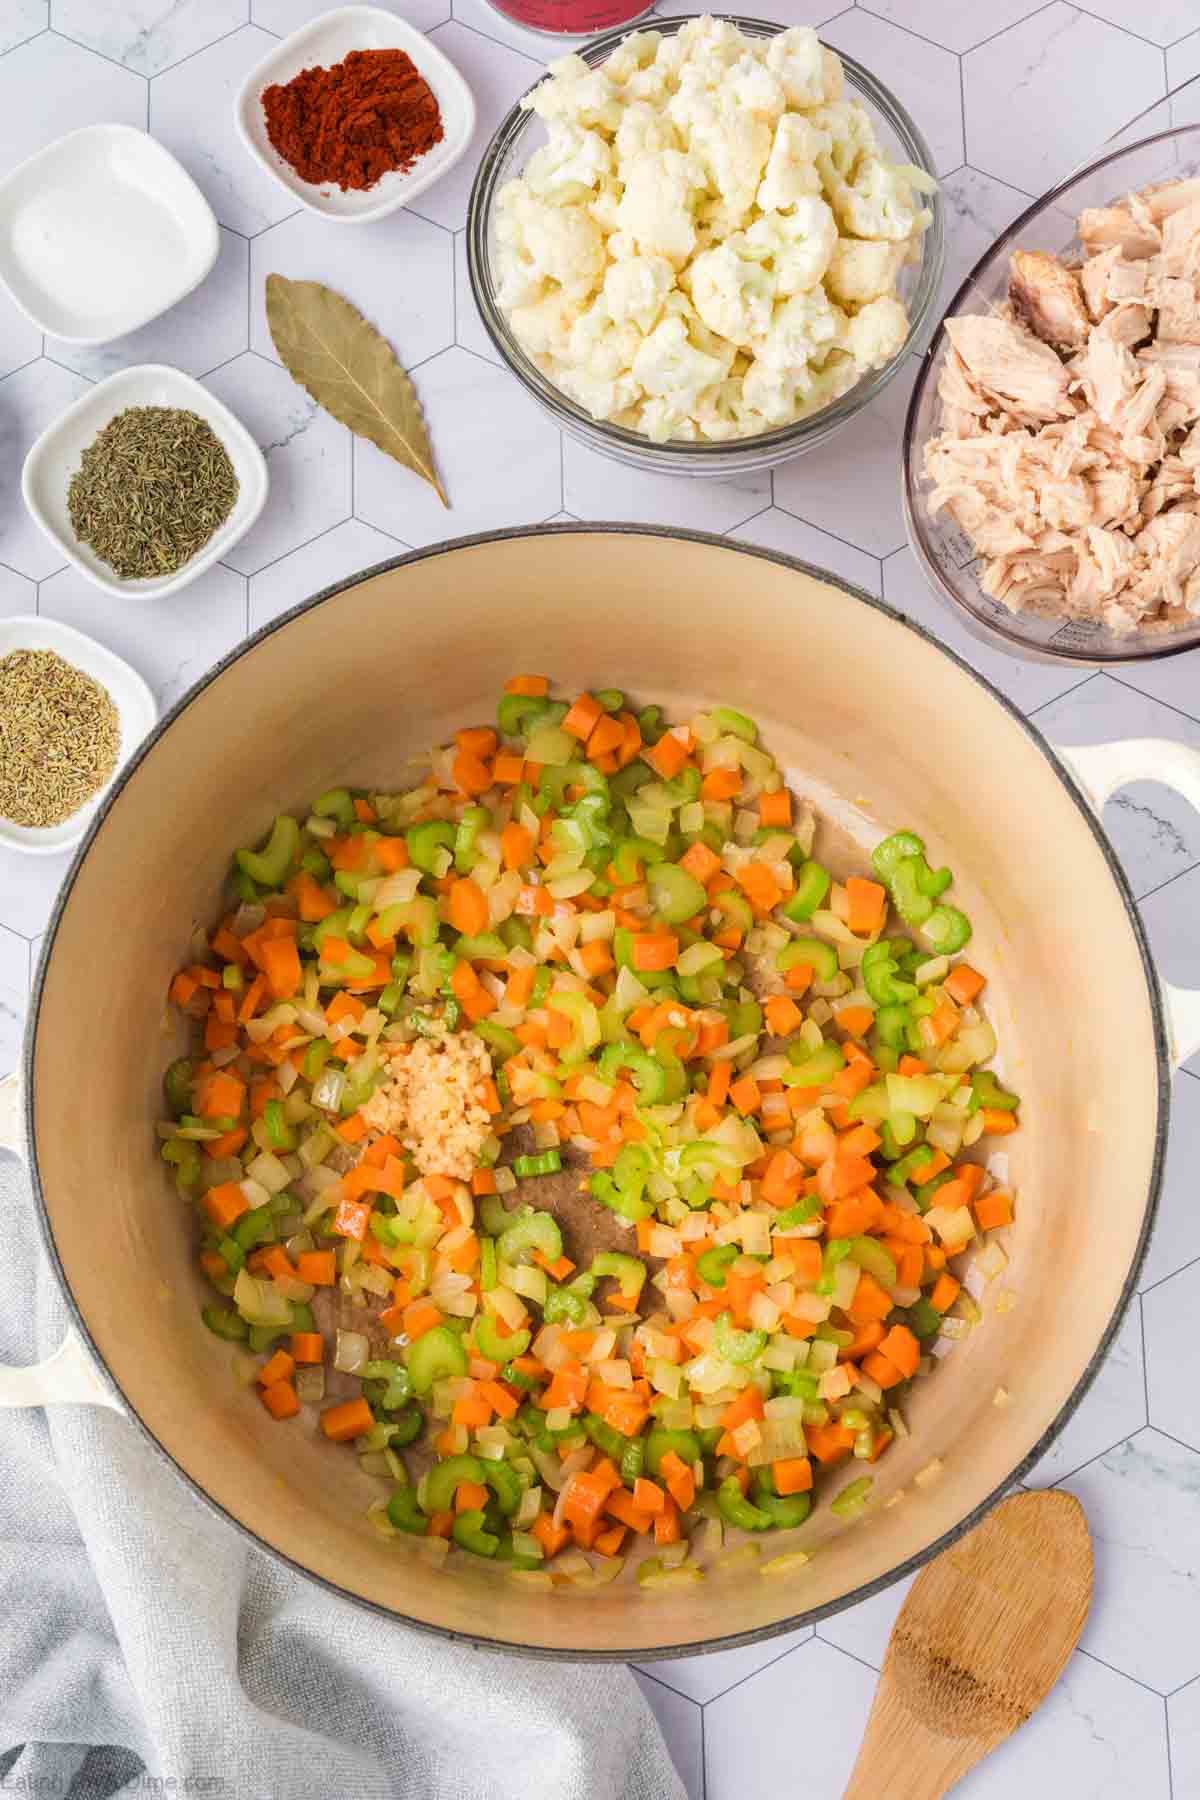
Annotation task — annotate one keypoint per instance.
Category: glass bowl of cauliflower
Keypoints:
(704, 247)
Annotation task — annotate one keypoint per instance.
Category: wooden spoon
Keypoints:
(983, 1636)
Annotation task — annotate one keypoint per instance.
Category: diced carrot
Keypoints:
(391, 853)
(470, 1496)
(945, 1292)
(348, 1420)
(468, 907)
(901, 1348)
(352, 1129)
(472, 1411)
(653, 950)
(855, 1020)
(279, 1367)
(508, 769)
(994, 1209)
(806, 1257)
(470, 773)
(666, 1525)
(926, 1172)
(218, 1033)
(608, 734)
(759, 886)
(499, 1399)
(583, 717)
(280, 1400)
(871, 1301)
(866, 905)
(793, 1475)
(829, 1443)
(776, 808)
(701, 862)
(441, 1524)
(746, 1095)
(225, 1203)
(281, 966)
(866, 1337)
(881, 1369)
(219, 1095)
(308, 1347)
(648, 1495)
(607, 1543)
(626, 1414)
(913, 1065)
(550, 1536)
(964, 983)
(997, 1123)
(668, 756)
(748, 1405)
(783, 1015)
(228, 1145)
(620, 1505)
(182, 988)
(535, 685)
(799, 978)
(317, 1267)
(681, 1482)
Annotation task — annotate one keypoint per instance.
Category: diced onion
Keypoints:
(352, 1350)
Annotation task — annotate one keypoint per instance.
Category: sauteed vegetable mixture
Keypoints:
(591, 956)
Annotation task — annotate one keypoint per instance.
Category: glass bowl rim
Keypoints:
(782, 438)
(1012, 640)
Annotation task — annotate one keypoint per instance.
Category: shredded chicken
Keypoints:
(1069, 440)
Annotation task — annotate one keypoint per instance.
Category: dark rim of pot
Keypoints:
(917, 1561)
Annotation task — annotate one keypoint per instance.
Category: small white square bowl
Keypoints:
(55, 457)
(117, 189)
(129, 694)
(329, 39)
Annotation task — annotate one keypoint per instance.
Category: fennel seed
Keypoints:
(150, 490)
(59, 737)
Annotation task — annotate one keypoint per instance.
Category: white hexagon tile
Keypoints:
(1009, 94)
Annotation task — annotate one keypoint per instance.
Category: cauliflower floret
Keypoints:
(564, 244)
(602, 207)
(755, 88)
(732, 145)
(606, 349)
(602, 396)
(544, 328)
(712, 45)
(877, 333)
(669, 365)
(771, 392)
(802, 330)
(575, 92)
(635, 52)
(809, 74)
(861, 269)
(851, 137)
(734, 296)
(644, 127)
(634, 290)
(656, 207)
(791, 171)
(838, 373)
(880, 203)
(571, 166)
(799, 244)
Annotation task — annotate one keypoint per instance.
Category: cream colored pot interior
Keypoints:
(872, 722)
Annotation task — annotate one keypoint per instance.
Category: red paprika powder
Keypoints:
(351, 123)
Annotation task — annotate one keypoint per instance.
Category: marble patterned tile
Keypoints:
(1063, 63)
(14, 996)
(1175, 680)
(20, 339)
(923, 78)
(750, 1751)
(1170, 920)
(205, 329)
(28, 887)
(308, 459)
(284, 16)
(148, 35)
(30, 400)
(17, 593)
(1176, 1238)
(595, 487)
(191, 112)
(863, 1630)
(778, 530)
(782, 12)
(1162, 21)
(21, 19)
(681, 1724)
(497, 77)
(1028, 685)
(1183, 1728)
(343, 551)
(959, 27)
(1183, 66)
(1170, 1314)
(704, 1678)
(1107, 1730)
(468, 326)
(1155, 832)
(978, 209)
(851, 485)
(398, 272)
(86, 89)
(1143, 1506)
(170, 642)
(1114, 1408)
(496, 452)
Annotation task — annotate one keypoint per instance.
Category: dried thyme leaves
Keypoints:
(151, 490)
(59, 737)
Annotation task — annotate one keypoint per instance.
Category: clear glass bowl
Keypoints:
(942, 548)
(521, 133)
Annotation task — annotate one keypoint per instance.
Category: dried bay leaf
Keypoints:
(340, 359)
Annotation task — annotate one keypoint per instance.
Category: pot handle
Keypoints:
(1099, 770)
(68, 1376)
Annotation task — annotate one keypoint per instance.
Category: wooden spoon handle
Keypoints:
(902, 1759)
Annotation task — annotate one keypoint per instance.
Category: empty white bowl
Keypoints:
(100, 232)
(55, 457)
(129, 694)
(329, 39)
